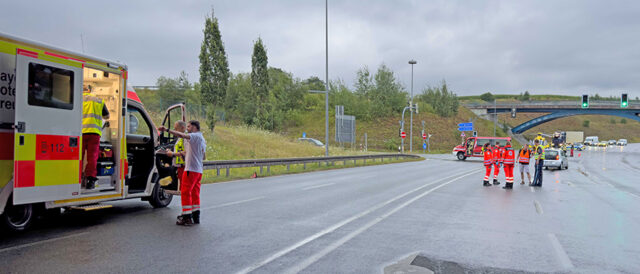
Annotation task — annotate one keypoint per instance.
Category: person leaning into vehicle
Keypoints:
(93, 111)
(524, 156)
(178, 152)
(195, 147)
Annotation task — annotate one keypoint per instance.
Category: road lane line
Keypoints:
(318, 186)
(538, 207)
(338, 225)
(561, 255)
(532, 189)
(42, 242)
(233, 203)
(314, 258)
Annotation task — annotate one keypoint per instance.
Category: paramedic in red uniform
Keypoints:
(93, 111)
(488, 162)
(497, 161)
(509, 159)
(195, 147)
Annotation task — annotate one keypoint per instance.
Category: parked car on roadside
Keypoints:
(578, 146)
(602, 144)
(622, 142)
(612, 142)
(555, 158)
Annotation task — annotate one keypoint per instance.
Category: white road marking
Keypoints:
(532, 189)
(562, 256)
(317, 186)
(233, 203)
(538, 207)
(336, 226)
(314, 258)
(42, 242)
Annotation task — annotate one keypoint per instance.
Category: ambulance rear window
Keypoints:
(50, 87)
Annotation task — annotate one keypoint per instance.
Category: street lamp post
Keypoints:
(411, 62)
(326, 83)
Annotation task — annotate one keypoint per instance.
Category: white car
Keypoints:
(555, 158)
(622, 142)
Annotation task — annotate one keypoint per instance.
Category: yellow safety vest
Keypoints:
(179, 147)
(92, 114)
(539, 156)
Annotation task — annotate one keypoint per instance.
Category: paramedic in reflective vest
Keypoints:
(497, 160)
(93, 111)
(508, 159)
(178, 153)
(524, 156)
(195, 147)
(488, 162)
(538, 156)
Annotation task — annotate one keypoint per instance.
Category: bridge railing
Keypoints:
(571, 103)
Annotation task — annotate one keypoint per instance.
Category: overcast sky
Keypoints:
(562, 47)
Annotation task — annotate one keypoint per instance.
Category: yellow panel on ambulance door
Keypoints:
(57, 172)
(25, 150)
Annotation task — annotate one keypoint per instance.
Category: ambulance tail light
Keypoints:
(557, 157)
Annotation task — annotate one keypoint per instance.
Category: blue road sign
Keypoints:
(465, 125)
(304, 135)
(424, 145)
(465, 128)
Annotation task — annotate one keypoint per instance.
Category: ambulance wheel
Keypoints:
(461, 156)
(17, 218)
(159, 198)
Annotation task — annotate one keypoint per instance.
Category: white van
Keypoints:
(591, 141)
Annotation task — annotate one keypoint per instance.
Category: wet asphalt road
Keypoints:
(359, 220)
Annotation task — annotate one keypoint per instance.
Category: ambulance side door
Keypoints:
(48, 128)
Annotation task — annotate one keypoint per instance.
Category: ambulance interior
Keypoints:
(106, 86)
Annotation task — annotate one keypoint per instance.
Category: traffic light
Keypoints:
(624, 102)
(513, 113)
(585, 101)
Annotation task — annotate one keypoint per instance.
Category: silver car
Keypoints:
(622, 142)
(555, 158)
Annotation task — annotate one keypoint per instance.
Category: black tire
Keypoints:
(159, 198)
(461, 156)
(17, 218)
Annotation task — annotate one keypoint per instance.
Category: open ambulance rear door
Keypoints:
(48, 127)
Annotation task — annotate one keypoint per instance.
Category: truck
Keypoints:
(472, 146)
(41, 160)
(574, 136)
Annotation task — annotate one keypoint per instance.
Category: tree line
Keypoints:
(272, 99)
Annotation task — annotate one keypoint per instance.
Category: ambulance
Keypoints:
(41, 159)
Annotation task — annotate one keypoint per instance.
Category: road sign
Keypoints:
(304, 135)
(424, 136)
(424, 145)
(403, 134)
(462, 135)
(465, 128)
(465, 125)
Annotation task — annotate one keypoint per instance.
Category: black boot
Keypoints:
(495, 182)
(184, 219)
(508, 186)
(91, 182)
(196, 217)
(486, 183)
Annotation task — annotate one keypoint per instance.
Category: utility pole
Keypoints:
(411, 62)
(326, 83)
(495, 117)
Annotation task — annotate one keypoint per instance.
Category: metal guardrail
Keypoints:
(228, 164)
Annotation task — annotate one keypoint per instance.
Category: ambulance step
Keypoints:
(90, 207)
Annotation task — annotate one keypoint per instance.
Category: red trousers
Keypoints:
(190, 191)
(91, 148)
(487, 175)
(496, 170)
(508, 173)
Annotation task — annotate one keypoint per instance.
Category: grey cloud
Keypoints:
(566, 47)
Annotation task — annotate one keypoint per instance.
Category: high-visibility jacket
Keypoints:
(509, 156)
(539, 153)
(497, 154)
(488, 157)
(92, 114)
(525, 155)
(178, 147)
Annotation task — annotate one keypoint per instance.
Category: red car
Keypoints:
(472, 147)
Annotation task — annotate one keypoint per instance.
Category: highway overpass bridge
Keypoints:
(555, 110)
